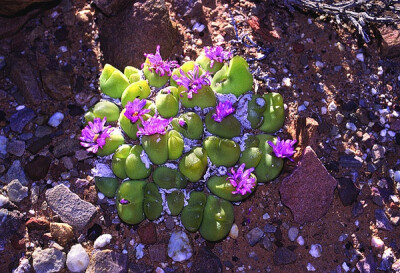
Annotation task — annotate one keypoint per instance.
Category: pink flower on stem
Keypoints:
(283, 148)
(94, 135)
(156, 64)
(135, 110)
(152, 126)
(242, 180)
(217, 53)
(192, 80)
(223, 110)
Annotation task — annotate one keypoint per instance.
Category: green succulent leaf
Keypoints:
(139, 89)
(153, 78)
(222, 152)
(134, 166)
(205, 62)
(156, 147)
(132, 191)
(132, 73)
(107, 185)
(192, 214)
(193, 128)
(229, 127)
(118, 161)
(152, 203)
(175, 145)
(167, 103)
(168, 178)
(221, 187)
(194, 164)
(112, 81)
(274, 114)
(175, 201)
(251, 157)
(112, 143)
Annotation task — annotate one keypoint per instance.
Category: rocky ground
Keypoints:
(338, 211)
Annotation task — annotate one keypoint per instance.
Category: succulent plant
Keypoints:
(217, 219)
(222, 152)
(212, 58)
(133, 114)
(103, 109)
(270, 166)
(113, 82)
(152, 202)
(185, 68)
(167, 102)
(192, 214)
(229, 127)
(233, 79)
(221, 187)
(107, 185)
(255, 111)
(194, 164)
(189, 124)
(168, 178)
(175, 145)
(175, 201)
(128, 162)
(130, 196)
(132, 73)
(119, 159)
(274, 114)
(251, 157)
(139, 89)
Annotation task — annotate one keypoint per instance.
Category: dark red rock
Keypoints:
(147, 233)
(308, 191)
(157, 253)
(57, 84)
(390, 44)
(145, 22)
(38, 223)
(37, 169)
(206, 261)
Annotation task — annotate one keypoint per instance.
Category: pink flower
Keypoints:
(157, 65)
(283, 148)
(242, 180)
(94, 135)
(192, 80)
(223, 110)
(152, 126)
(182, 123)
(135, 110)
(217, 54)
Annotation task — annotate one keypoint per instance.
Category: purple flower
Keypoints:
(135, 110)
(217, 54)
(156, 64)
(283, 148)
(94, 135)
(154, 125)
(242, 180)
(223, 110)
(182, 123)
(192, 80)
(123, 201)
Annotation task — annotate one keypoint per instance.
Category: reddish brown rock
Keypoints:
(147, 233)
(38, 223)
(62, 233)
(308, 191)
(57, 84)
(390, 44)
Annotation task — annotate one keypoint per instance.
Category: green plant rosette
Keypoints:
(112, 81)
(139, 89)
(205, 62)
(194, 164)
(229, 127)
(153, 78)
(119, 159)
(116, 138)
(175, 145)
(133, 191)
(274, 114)
(167, 102)
(222, 152)
(175, 202)
(107, 185)
(103, 109)
(192, 214)
(193, 128)
(270, 166)
(152, 202)
(156, 147)
(132, 73)
(255, 111)
(168, 178)
(221, 187)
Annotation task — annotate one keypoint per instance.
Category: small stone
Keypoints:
(293, 232)
(332, 106)
(107, 261)
(360, 57)
(266, 243)
(377, 242)
(345, 267)
(147, 233)
(67, 205)
(48, 260)
(56, 119)
(66, 147)
(56, 84)
(142, 268)
(16, 192)
(3, 145)
(16, 147)
(68, 163)
(139, 251)
(387, 259)
(284, 256)
(300, 240)
(82, 155)
(351, 126)
(43, 130)
(316, 250)
(266, 216)
(269, 228)
(3, 200)
(16, 172)
(339, 118)
(254, 236)
(102, 241)
(37, 168)
(157, 253)
(37, 223)
(62, 233)
(349, 161)
(234, 232)
(319, 64)
(310, 267)
(20, 119)
(378, 152)
(367, 265)
(382, 222)
(348, 192)
(10, 223)
(179, 248)
(77, 259)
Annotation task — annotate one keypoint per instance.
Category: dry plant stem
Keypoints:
(358, 12)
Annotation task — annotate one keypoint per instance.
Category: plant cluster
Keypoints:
(160, 127)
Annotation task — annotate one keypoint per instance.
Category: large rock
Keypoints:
(57, 84)
(138, 29)
(10, 8)
(10, 223)
(24, 77)
(107, 261)
(308, 191)
(15, 172)
(71, 209)
(48, 260)
(390, 44)
(206, 261)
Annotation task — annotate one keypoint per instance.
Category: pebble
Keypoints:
(179, 248)
(300, 240)
(269, 228)
(66, 203)
(62, 233)
(266, 215)
(360, 57)
(23, 267)
(56, 119)
(377, 242)
(382, 222)
(323, 110)
(77, 259)
(310, 267)
(319, 64)
(316, 250)
(43, 130)
(345, 267)
(351, 126)
(293, 232)
(3, 200)
(397, 176)
(378, 152)
(16, 191)
(301, 108)
(234, 232)
(20, 119)
(139, 251)
(107, 261)
(387, 259)
(284, 256)
(254, 236)
(332, 106)
(102, 241)
(16, 172)
(3, 145)
(339, 118)
(48, 260)
(348, 192)
(16, 147)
